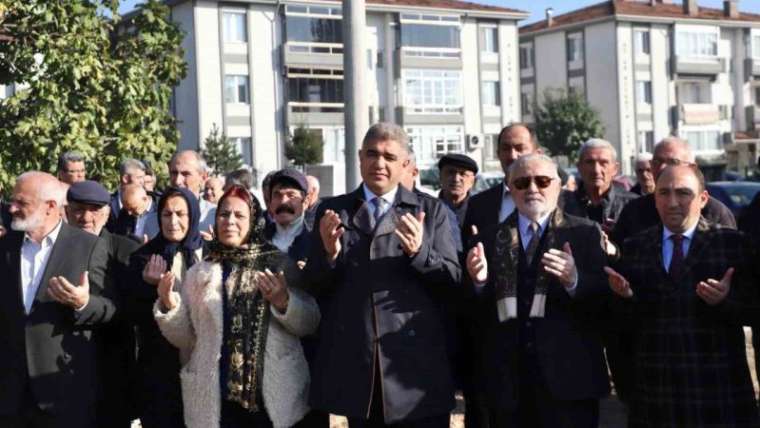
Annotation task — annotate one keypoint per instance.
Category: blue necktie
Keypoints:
(379, 204)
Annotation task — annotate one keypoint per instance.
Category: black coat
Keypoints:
(567, 339)
(51, 351)
(376, 298)
(482, 212)
(577, 203)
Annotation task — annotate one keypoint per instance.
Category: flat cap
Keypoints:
(88, 192)
(290, 176)
(459, 161)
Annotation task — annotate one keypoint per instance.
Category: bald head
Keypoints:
(313, 196)
(36, 204)
(671, 151)
(134, 199)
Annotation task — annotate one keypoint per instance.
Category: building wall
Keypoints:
(208, 67)
(186, 93)
(662, 87)
(602, 86)
(551, 57)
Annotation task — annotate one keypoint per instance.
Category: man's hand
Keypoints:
(274, 289)
(609, 248)
(477, 266)
(410, 231)
(64, 292)
(713, 291)
(153, 270)
(330, 230)
(618, 283)
(165, 286)
(561, 264)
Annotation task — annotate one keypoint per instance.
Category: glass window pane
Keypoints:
(430, 36)
(233, 24)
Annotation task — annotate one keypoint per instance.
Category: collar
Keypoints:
(389, 197)
(607, 196)
(293, 228)
(688, 234)
(50, 238)
(523, 223)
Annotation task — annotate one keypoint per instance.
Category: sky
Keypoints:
(537, 7)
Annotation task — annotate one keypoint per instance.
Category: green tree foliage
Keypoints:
(305, 147)
(564, 121)
(219, 152)
(91, 82)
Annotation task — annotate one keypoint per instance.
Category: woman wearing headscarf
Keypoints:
(241, 324)
(175, 249)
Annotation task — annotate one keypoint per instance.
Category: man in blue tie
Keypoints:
(381, 261)
(684, 288)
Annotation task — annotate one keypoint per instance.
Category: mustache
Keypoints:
(285, 209)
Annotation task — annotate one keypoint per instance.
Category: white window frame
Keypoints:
(642, 41)
(646, 141)
(227, 29)
(528, 51)
(432, 19)
(755, 45)
(430, 142)
(575, 40)
(436, 94)
(493, 46)
(644, 91)
(696, 83)
(699, 144)
(237, 78)
(241, 143)
(526, 103)
(491, 93)
(690, 41)
(314, 11)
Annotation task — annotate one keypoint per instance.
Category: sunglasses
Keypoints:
(542, 182)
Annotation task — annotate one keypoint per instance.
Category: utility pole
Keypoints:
(356, 111)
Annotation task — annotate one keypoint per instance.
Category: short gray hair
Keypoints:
(70, 156)
(386, 131)
(597, 143)
(202, 167)
(522, 161)
(644, 157)
(129, 164)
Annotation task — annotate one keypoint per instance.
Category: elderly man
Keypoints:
(539, 283)
(685, 287)
(187, 170)
(138, 218)
(71, 167)
(288, 231)
(54, 296)
(457, 176)
(380, 258)
(131, 171)
(644, 176)
(87, 210)
(312, 200)
(213, 189)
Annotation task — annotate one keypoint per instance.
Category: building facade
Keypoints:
(652, 69)
(446, 70)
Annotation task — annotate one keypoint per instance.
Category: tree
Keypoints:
(305, 147)
(90, 82)
(564, 121)
(219, 152)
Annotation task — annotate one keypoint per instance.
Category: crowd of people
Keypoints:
(213, 303)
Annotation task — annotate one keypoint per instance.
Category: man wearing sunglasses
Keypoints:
(539, 282)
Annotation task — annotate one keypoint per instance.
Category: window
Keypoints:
(236, 89)
(428, 32)
(313, 30)
(703, 140)
(490, 39)
(526, 104)
(526, 57)
(243, 146)
(491, 93)
(756, 46)
(646, 141)
(432, 142)
(641, 41)
(644, 92)
(313, 89)
(694, 93)
(233, 26)
(491, 149)
(697, 44)
(757, 96)
(433, 91)
(574, 48)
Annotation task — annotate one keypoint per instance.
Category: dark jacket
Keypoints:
(641, 214)
(50, 351)
(482, 212)
(689, 357)
(577, 203)
(382, 306)
(567, 340)
(301, 246)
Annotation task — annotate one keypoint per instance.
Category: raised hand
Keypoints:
(66, 293)
(330, 230)
(410, 231)
(609, 248)
(209, 234)
(153, 270)
(561, 264)
(477, 265)
(165, 287)
(274, 289)
(713, 291)
(618, 283)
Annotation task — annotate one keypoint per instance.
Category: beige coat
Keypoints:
(196, 326)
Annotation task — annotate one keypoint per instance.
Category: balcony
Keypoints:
(752, 67)
(309, 54)
(430, 115)
(700, 114)
(442, 58)
(698, 65)
(315, 113)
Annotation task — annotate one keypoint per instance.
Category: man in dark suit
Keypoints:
(380, 258)
(88, 209)
(48, 360)
(131, 171)
(684, 289)
(539, 281)
(457, 176)
(289, 231)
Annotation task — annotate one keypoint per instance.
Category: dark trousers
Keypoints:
(235, 416)
(31, 416)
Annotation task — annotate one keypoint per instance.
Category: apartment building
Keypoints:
(446, 70)
(652, 69)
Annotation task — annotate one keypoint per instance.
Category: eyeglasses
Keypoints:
(542, 182)
(670, 161)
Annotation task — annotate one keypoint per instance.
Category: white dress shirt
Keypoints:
(34, 259)
(389, 198)
(507, 204)
(285, 235)
(667, 244)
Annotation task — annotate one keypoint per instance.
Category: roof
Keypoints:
(631, 8)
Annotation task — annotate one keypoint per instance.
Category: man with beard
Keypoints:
(54, 297)
(457, 176)
(88, 210)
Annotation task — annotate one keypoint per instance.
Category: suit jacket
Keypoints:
(380, 306)
(483, 212)
(689, 357)
(301, 246)
(567, 338)
(577, 203)
(641, 214)
(50, 351)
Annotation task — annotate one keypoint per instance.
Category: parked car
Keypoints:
(486, 180)
(736, 195)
